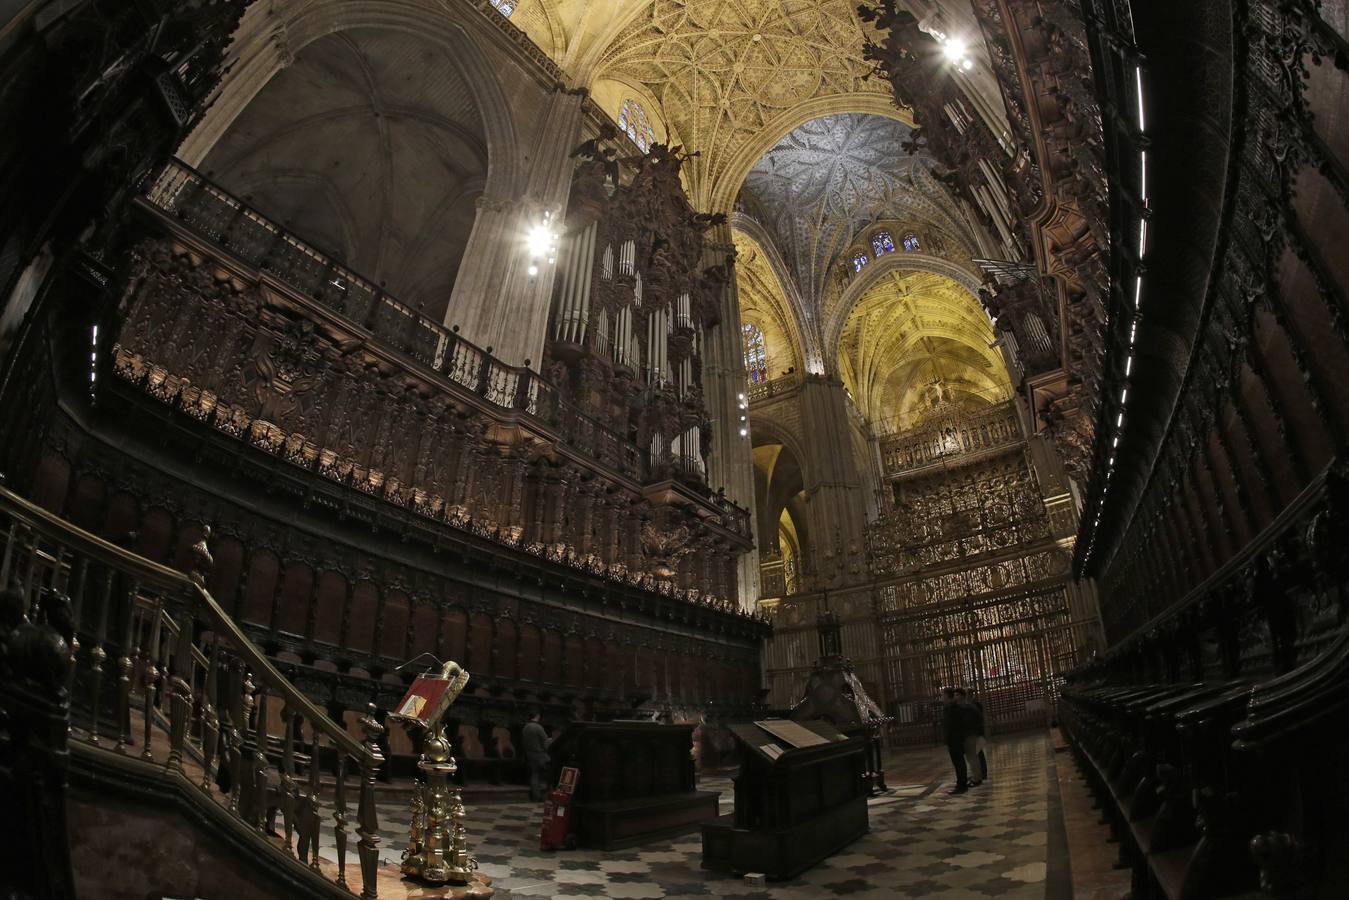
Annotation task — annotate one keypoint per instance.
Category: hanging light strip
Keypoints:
(1137, 312)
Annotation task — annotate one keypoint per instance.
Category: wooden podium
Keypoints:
(636, 782)
(801, 796)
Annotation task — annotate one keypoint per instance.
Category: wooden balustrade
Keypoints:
(205, 690)
(204, 210)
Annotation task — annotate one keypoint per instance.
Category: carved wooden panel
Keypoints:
(297, 583)
(364, 610)
(51, 482)
(393, 633)
(531, 652)
(330, 607)
(263, 570)
(480, 653)
(86, 502)
(425, 619)
(507, 649)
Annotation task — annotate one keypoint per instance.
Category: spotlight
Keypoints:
(533, 270)
(540, 239)
(954, 49)
(967, 64)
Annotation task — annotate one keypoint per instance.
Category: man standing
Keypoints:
(953, 732)
(975, 761)
(535, 742)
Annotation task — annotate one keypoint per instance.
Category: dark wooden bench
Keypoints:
(1222, 789)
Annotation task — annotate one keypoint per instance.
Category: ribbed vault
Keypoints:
(727, 71)
(370, 146)
(916, 341)
(829, 178)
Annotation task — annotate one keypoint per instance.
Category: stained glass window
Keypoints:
(632, 119)
(911, 242)
(859, 261)
(756, 359)
(881, 242)
(505, 7)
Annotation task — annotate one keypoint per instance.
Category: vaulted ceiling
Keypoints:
(916, 340)
(775, 98)
(370, 147)
(819, 186)
(726, 72)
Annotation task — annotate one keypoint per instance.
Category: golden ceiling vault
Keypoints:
(917, 340)
(729, 73)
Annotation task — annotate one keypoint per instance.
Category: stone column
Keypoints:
(724, 382)
(496, 302)
(835, 500)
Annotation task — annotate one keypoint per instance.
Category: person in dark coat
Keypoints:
(972, 713)
(953, 733)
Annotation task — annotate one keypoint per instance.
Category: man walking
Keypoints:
(953, 732)
(535, 742)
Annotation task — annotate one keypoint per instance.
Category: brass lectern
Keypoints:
(437, 851)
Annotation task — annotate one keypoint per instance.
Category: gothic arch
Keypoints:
(789, 311)
(837, 318)
(764, 430)
(270, 36)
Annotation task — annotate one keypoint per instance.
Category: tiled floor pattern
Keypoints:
(990, 842)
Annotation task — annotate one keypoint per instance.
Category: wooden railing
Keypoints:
(949, 438)
(205, 209)
(159, 671)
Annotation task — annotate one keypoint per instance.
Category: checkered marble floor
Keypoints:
(990, 842)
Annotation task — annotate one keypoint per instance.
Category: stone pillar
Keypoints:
(496, 302)
(724, 381)
(835, 501)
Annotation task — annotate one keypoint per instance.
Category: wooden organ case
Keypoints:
(637, 291)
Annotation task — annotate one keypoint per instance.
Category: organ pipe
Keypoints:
(573, 303)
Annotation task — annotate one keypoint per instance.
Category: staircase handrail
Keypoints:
(132, 621)
(152, 573)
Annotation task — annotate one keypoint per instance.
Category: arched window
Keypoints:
(911, 243)
(632, 119)
(881, 242)
(756, 359)
(505, 7)
(859, 261)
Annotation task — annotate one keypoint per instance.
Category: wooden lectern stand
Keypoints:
(801, 796)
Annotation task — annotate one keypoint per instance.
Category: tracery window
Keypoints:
(911, 243)
(756, 359)
(881, 242)
(859, 261)
(505, 7)
(632, 119)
